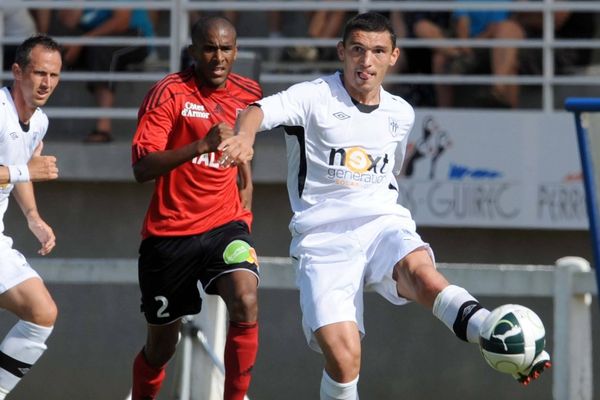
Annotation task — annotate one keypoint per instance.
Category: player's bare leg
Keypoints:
(340, 343)
(24, 344)
(149, 365)
(239, 292)
(418, 280)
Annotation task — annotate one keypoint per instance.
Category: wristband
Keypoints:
(18, 173)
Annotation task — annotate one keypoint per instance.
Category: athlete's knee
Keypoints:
(244, 306)
(343, 366)
(158, 355)
(43, 314)
(160, 349)
(343, 362)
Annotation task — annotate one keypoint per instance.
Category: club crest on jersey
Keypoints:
(394, 126)
(193, 110)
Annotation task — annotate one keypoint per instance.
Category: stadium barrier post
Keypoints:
(572, 368)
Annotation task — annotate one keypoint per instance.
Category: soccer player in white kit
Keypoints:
(346, 140)
(36, 73)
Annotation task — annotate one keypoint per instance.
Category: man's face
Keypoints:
(367, 56)
(215, 55)
(40, 77)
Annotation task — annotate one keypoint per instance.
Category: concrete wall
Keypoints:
(407, 353)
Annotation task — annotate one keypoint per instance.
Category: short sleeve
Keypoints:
(289, 107)
(153, 130)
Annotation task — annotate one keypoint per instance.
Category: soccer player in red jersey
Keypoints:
(198, 222)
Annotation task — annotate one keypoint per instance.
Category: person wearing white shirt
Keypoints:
(346, 141)
(23, 124)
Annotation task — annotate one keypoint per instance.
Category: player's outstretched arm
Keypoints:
(43, 232)
(159, 163)
(238, 149)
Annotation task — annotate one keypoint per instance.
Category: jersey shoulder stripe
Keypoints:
(246, 84)
(164, 89)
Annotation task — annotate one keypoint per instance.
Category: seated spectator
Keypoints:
(567, 25)
(18, 22)
(503, 61)
(103, 22)
(274, 21)
(429, 25)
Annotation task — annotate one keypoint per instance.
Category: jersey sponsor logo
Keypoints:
(354, 166)
(207, 159)
(239, 251)
(193, 110)
(341, 116)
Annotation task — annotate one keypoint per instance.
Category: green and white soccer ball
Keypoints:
(511, 337)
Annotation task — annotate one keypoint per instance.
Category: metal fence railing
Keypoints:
(178, 36)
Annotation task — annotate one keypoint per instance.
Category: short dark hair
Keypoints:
(369, 22)
(23, 52)
(201, 27)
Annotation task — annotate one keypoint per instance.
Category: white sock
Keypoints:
(332, 390)
(21, 348)
(460, 312)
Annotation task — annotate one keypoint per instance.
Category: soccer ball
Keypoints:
(511, 337)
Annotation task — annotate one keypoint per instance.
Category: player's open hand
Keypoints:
(237, 149)
(43, 233)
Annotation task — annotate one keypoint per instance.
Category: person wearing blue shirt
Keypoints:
(503, 61)
(104, 22)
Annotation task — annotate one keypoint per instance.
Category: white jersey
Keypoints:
(16, 145)
(342, 157)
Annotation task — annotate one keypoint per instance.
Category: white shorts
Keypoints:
(336, 262)
(14, 268)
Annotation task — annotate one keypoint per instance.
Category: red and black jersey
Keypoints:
(198, 195)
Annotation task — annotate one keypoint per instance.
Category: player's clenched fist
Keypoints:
(217, 134)
(42, 168)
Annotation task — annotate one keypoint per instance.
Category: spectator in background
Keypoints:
(103, 22)
(18, 22)
(274, 19)
(430, 25)
(503, 61)
(567, 25)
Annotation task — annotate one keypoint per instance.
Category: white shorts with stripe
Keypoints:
(336, 262)
(14, 268)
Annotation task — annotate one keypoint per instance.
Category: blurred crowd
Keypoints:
(327, 24)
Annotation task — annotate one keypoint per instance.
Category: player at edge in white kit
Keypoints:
(346, 139)
(36, 73)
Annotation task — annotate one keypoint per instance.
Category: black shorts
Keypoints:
(169, 269)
